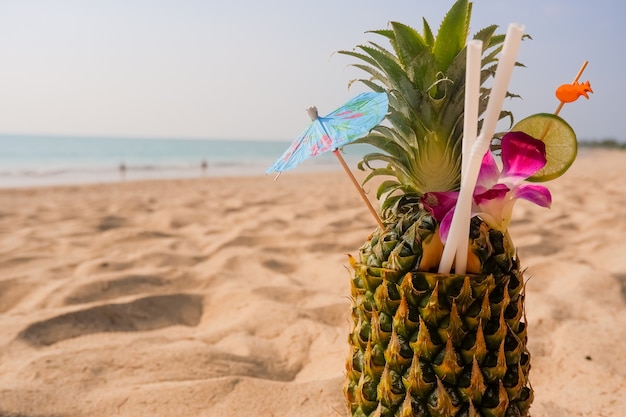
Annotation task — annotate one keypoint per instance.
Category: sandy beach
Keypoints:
(229, 296)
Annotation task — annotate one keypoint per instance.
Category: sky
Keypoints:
(247, 69)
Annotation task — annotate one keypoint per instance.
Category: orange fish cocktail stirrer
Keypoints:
(568, 93)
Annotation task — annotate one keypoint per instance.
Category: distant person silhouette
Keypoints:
(203, 166)
(122, 169)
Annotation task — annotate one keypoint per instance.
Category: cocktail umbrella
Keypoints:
(329, 133)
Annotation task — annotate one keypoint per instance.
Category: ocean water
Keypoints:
(53, 160)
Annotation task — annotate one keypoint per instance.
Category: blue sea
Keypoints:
(55, 160)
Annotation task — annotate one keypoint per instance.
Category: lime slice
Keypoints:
(560, 140)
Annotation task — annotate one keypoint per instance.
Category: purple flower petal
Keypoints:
(522, 156)
(488, 174)
(496, 192)
(440, 203)
(444, 226)
(537, 194)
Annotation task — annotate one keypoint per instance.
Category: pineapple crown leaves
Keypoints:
(424, 77)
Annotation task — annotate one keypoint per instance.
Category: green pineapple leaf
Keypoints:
(414, 54)
(452, 34)
(428, 34)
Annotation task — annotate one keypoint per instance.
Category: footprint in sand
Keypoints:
(12, 291)
(149, 313)
(243, 240)
(146, 235)
(335, 315)
(100, 265)
(283, 294)
(111, 222)
(279, 266)
(621, 278)
(110, 289)
(543, 248)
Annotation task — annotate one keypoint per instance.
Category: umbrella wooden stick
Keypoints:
(359, 189)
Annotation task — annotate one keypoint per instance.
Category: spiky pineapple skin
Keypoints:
(435, 345)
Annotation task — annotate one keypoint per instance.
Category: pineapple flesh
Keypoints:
(424, 343)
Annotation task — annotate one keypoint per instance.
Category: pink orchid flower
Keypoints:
(497, 191)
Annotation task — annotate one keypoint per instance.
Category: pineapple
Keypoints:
(424, 343)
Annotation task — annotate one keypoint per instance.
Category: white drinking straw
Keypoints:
(470, 127)
(459, 229)
(472, 97)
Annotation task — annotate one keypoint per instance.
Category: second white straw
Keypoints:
(470, 127)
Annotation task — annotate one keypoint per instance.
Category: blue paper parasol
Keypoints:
(344, 125)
